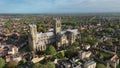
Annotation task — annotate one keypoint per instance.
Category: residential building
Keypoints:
(13, 50)
(114, 61)
(90, 64)
(84, 54)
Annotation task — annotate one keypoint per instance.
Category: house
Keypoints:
(79, 65)
(84, 54)
(13, 50)
(86, 46)
(95, 45)
(7, 58)
(64, 64)
(17, 58)
(114, 61)
(104, 38)
(90, 64)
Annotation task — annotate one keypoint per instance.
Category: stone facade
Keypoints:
(84, 54)
(39, 41)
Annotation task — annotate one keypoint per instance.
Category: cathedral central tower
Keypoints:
(57, 25)
(32, 37)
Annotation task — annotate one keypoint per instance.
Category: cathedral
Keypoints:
(40, 41)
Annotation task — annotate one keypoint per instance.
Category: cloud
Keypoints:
(58, 6)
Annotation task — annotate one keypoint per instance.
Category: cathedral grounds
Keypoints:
(96, 44)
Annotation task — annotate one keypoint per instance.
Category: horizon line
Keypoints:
(64, 13)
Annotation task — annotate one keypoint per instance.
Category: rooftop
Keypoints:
(90, 62)
(32, 25)
(45, 34)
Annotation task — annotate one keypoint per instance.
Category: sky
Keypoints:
(59, 6)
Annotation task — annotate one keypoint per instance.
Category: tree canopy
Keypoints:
(89, 40)
(60, 55)
(50, 50)
(12, 64)
(50, 65)
(38, 65)
(2, 63)
(100, 66)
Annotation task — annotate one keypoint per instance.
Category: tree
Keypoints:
(117, 35)
(12, 64)
(2, 62)
(50, 50)
(75, 44)
(24, 32)
(50, 65)
(40, 28)
(108, 42)
(89, 40)
(38, 65)
(115, 41)
(109, 30)
(101, 56)
(100, 66)
(60, 55)
(69, 53)
(116, 27)
(23, 61)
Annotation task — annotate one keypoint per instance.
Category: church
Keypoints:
(40, 41)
